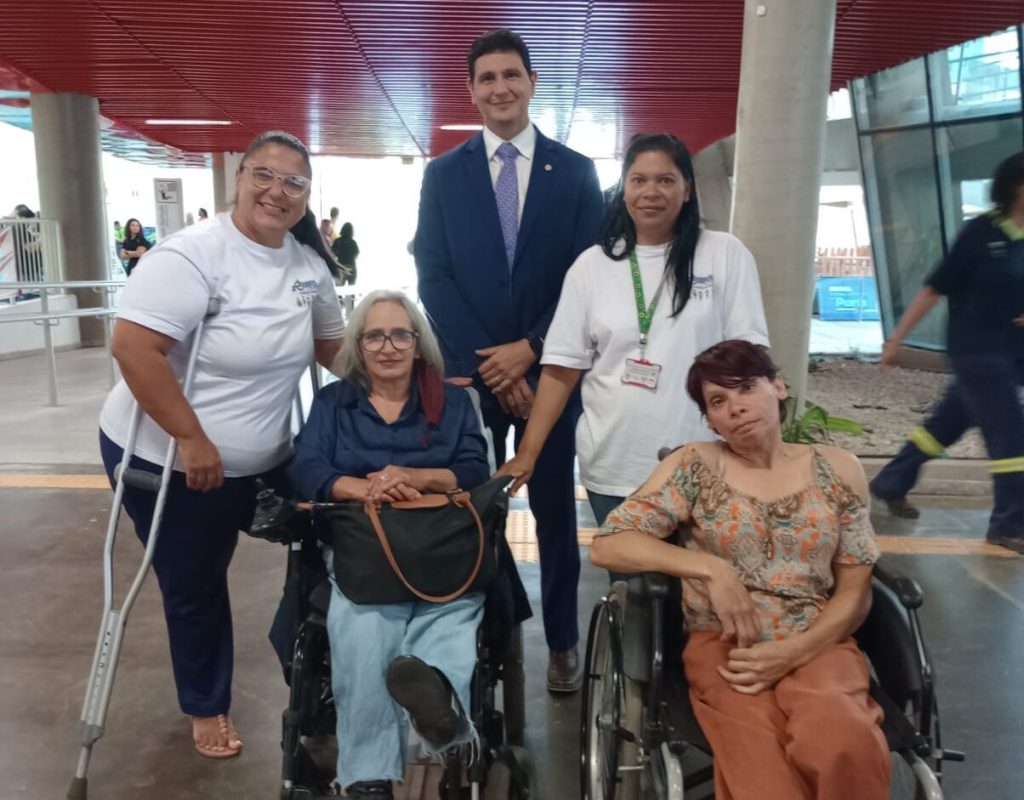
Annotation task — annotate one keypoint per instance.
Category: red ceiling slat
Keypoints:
(368, 77)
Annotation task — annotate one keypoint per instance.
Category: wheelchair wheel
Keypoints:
(513, 690)
(611, 710)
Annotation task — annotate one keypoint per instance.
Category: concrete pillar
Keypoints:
(220, 201)
(711, 169)
(780, 140)
(225, 167)
(70, 173)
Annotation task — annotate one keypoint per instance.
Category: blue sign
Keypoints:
(847, 299)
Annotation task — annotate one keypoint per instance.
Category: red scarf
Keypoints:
(431, 389)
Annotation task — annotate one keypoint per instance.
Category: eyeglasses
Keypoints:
(264, 177)
(400, 338)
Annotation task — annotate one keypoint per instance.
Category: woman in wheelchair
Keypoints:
(776, 558)
(390, 430)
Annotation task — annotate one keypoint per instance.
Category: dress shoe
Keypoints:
(564, 670)
(897, 506)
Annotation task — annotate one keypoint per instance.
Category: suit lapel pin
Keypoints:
(547, 168)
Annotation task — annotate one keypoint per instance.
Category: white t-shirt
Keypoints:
(273, 303)
(595, 328)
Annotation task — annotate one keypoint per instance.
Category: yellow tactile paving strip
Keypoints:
(521, 531)
(18, 481)
(522, 539)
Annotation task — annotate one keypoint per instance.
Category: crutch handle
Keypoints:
(139, 479)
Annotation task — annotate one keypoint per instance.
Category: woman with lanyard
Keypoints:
(632, 357)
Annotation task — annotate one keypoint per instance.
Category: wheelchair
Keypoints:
(639, 737)
(498, 770)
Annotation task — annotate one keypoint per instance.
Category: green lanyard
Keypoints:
(644, 314)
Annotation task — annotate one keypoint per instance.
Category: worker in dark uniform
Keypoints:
(948, 421)
(983, 280)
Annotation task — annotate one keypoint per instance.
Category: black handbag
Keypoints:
(435, 548)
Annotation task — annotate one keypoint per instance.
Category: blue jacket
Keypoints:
(345, 436)
(464, 280)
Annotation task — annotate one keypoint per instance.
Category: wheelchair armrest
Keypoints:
(906, 589)
(656, 585)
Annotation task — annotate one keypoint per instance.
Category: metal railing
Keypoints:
(48, 318)
(31, 251)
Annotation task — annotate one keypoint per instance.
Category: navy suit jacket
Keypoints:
(464, 281)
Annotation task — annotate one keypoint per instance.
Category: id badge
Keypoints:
(641, 372)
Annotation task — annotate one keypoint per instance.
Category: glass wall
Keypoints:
(931, 132)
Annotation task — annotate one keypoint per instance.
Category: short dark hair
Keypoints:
(1006, 181)
(500, 41)
(334, 212)
(730, 363)
(202, 212)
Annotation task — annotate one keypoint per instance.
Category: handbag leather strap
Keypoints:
(458, 498)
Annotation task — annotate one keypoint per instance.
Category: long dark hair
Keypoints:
(127, 230)
(306, 229)
(618, 225)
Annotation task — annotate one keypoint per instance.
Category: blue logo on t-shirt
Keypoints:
(304, 292)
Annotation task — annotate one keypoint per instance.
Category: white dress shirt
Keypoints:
(525, 141)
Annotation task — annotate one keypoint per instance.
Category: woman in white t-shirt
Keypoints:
(634, 312)
(271, 272)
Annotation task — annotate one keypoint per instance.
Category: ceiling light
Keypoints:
(188, 122)
(463, 126)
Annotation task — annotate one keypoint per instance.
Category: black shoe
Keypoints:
(898, 506)
(370, 790)
(1014, 543)
(564, 673)
(426, 694)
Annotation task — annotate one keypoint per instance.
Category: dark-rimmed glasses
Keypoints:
(400, 338)
(264, 177)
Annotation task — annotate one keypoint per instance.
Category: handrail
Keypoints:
(48, 318)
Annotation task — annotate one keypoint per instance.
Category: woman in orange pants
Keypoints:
(776, 573)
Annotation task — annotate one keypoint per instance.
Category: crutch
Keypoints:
(114, 620)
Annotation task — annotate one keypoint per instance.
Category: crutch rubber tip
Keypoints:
(78, 789)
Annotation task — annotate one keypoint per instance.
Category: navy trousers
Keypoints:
(948, 421)
(991, 386)
(553, 503)
(197, 539)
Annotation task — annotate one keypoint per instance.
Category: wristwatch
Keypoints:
(536, 343)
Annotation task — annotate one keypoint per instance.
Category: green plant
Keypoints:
(815, 424)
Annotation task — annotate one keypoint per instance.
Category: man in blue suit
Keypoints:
(502, 218)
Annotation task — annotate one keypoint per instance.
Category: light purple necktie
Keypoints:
(506, 192)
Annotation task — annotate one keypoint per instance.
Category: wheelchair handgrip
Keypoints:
(656, 584)
(907, 589)
(140, 479)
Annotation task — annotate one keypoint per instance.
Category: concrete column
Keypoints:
(711, 169)
(70, 173)
(780, 140)
(225, 167)
(220, 201)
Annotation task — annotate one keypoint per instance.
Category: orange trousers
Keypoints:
(814, 736)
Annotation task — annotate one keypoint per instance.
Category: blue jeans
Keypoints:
(365, 639)
(602, 505)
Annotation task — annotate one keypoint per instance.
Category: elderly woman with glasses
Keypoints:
(271, 274)
(391, 430)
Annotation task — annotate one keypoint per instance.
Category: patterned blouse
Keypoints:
(783, 550)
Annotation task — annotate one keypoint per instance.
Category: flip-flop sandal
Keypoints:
(217, 750)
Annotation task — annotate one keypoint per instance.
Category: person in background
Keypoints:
(634, 312)
(983, 280)
(267, 266)
(118, 232)
(325, 231)
(334, 223)
(189, 219)
(502, 217)
(202, 214)
(135, 244)
(774, 552)
(346, 251)
(947, 422)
